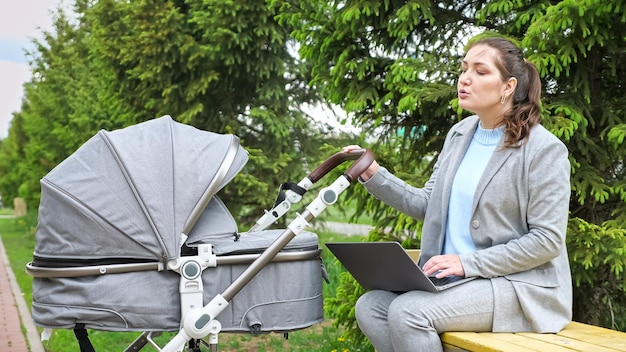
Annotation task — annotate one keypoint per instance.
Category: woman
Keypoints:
(495, 207)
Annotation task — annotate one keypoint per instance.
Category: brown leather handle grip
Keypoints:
(365, 157)
(360, 165)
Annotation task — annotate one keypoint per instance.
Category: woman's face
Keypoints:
(480, 86)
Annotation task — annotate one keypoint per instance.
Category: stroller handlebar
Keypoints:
(364, 158)
(290, 193)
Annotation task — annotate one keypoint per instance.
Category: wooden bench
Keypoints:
(575, 337)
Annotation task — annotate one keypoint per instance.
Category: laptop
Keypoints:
(388, 266)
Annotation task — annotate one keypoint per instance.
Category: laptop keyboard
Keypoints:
(444, 280)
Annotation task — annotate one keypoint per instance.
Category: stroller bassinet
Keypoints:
(118, 217)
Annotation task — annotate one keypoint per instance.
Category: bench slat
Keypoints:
(570, 344)
(502, 342)
(532, 344)
(484, 342)
(575, 337)
(611, 339)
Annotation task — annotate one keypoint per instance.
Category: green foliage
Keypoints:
(342, 306)
(598, 259)
(578, 48)
(222, 66)
(383, 62)
(10, 155)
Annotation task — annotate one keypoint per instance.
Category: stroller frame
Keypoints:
(198, 320)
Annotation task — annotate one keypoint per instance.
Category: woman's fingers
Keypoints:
(350, 148)
(444, 265)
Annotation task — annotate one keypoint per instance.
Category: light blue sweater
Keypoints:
(458, 239)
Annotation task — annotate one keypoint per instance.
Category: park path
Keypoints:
(14, 313)
(343, 228)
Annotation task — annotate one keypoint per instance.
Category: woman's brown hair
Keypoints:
(526, 111)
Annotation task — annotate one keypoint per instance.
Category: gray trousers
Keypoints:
(412, 321)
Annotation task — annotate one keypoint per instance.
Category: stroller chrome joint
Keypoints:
(205, 259)
(288, 195)
(199, 323)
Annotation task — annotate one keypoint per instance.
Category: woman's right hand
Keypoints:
(371, 170)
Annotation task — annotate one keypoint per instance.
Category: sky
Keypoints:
(20, 22)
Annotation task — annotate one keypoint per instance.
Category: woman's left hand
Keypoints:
(444, 265)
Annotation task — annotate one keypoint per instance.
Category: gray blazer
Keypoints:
(518, 223)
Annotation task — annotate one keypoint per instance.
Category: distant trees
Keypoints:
(61, 109)
(223, 66)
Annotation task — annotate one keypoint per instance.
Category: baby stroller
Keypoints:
(132, 237)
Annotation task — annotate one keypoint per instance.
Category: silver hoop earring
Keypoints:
(503, 99)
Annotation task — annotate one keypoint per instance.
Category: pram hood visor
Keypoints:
(129, 193)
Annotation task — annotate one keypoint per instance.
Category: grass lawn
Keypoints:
(18, 236)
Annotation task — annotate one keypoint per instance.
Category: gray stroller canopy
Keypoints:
(131, 193)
